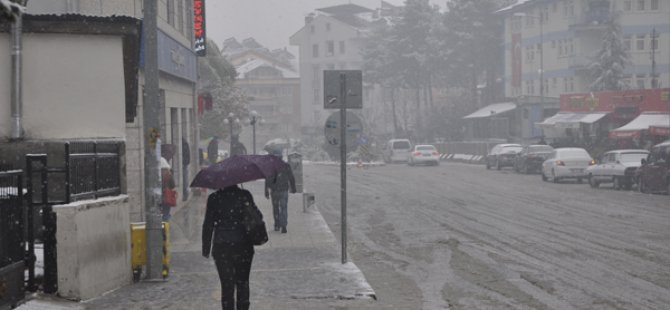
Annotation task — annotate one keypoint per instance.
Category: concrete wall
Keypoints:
(67, 79)
(93, 247)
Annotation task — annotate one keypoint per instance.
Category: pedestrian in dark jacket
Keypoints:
(223, 232)
(277, 187)
(213, 150)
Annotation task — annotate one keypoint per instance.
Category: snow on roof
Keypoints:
(492, 109)
(257, 63)
(514, 6)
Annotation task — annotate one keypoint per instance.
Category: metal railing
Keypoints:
(93, 169)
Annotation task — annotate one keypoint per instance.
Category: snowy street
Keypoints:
(461, 237)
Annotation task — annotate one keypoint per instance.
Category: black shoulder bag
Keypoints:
(254, 224)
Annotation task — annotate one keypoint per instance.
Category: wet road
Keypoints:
(460, 237)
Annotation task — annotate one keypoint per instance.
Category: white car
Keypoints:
(423, 154)
(617, 167)
(397, 150)
(567, 163)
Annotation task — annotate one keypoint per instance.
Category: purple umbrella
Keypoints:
(237, 169)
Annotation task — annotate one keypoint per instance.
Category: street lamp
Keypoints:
(541, 21)
(231, 120)
(253, 120)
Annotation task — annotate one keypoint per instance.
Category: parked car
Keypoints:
(617, 167)
(654, 172)
(531, 157)
(502, 155)
(397, 150)
(567, 163)
(424, 154)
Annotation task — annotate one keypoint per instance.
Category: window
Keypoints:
(315, 50)
(565, 85)
(180, 16)
(312, 29)
(170, 12)
(640, 81)
(571, 81)
(317, 93)
(640, 5)
(653, 5)
(627, 43)
(572, 47)
(327, 26)
(316, 76)
(639, 42)
(627, 5)
(342, 48)
(330, 48)
(554, 83)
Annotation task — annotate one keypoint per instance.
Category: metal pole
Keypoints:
(17, 80)
(343, 163)
(150, 117)
(253, 126)
(230, 151)
(541, 62)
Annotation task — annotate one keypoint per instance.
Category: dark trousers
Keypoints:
(234, 275)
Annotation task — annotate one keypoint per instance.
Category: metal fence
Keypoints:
(11, 237)
(93, 169)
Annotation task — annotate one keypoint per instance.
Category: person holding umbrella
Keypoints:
(224, 232)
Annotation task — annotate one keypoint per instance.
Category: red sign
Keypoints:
(644, 100)
(199, 27)
(659, 131)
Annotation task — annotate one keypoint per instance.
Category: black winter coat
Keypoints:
(223, 229)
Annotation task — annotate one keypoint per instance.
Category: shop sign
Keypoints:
(199, 27)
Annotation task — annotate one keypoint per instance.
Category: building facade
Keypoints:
(331, 39)
(177, 64)
(271, 81)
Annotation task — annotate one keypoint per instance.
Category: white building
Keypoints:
(177, 64)
(270, 79)
(556, 40)
(560, 38)
(331, 39)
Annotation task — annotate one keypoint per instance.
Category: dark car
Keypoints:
(531, 157)
(654, 173)
(502, 155)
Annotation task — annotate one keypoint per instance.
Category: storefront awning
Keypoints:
(571, 120)
(492, 110)
(644, 121)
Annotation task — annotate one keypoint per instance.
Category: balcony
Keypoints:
(594, 19)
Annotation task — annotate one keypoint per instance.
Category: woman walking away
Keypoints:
(223, 232)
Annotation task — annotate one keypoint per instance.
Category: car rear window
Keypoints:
(632, 157)
(425, 148)
(401, 145)
(511, 148)
(574, 154)
(540, 148)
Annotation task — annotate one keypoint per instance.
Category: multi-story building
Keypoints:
(177, 64)
(270, 80)
(331, 39)
(549, 45)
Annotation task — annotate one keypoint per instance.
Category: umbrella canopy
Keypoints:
(237, 169)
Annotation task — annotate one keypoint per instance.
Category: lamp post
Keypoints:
(252, 121)
(541, 21)
(231, 120)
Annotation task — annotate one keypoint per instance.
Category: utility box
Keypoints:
(308, 201)
(138, 248)
(295, 161)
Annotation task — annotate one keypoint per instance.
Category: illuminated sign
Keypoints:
(199, 27)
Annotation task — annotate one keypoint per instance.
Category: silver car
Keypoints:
(567, 163)
(617, 167)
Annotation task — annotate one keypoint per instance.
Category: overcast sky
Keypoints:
(270, 22)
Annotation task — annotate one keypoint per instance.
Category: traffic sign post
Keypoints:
(343, 89)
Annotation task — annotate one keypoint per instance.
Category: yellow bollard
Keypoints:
(138, 249)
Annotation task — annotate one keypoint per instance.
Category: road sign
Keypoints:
(353, 130)
(333, 81)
